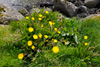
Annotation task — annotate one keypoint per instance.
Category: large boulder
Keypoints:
(82, 11)
(92, 3)
(67, 8)
(8, 14)
(77, 2)
(25, 6)
(20, 4)
(93, 16)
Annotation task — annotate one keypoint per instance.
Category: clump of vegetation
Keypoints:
(42, 31)
(48, 39)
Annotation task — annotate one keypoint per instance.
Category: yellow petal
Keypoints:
(20, 56)
(35, 36)
(33, 47)
(55, 49)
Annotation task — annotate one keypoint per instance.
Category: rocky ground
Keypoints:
(17, 9)
(71, 8)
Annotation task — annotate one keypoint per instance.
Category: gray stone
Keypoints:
(35, 10)
(93, 10)
(92, 3)
(38, 10)
(24, 12)
(82, 11)
(8, 14)
(67, 8)
(77, 2)
(82, 15)
(92, 15)
(19, 4)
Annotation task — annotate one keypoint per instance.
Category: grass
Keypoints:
(91, 28)
(8, 54)
(68, 56)
(8, 57)
(3, 31)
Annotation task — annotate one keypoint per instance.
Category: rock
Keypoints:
(35, 10)
(93, 10)
(82, 15)
(25, 6)
(91, 3)
(38, 10)
(19, 4)
(82, 9)
(92, 16)
(8, 14)
(77, 2)
(24, 12)
(67, 8)
(46, 4)
(47, 9)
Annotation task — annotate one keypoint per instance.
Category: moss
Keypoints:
(2, 9)
(23, 12)
(7, 15)
(1, 15)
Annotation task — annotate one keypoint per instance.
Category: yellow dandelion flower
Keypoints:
(86, 44)
(50, 22)
(20, 56)
(10, 41)
(40, 18)
(40, 35)
(35, 36)
(55, 49)
(6, 34)
(41, 25)
(33, 47)
(46, 12)
(85, 37)
(52, 39)
(33, 18)
(29, 43)
(17, 21)
(27, 17)
(31, 29)
(58, 32)
(45, 36)
(64, 41)
(53, 23)
(40, 15)
(55, 29)
(47, 40)
(55, 40)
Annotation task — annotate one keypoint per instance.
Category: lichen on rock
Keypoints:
(2, 9)
(8, 14)
(1, 15)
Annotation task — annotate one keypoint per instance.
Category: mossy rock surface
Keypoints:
(8, 14)
(1, 14)
(2, 9)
